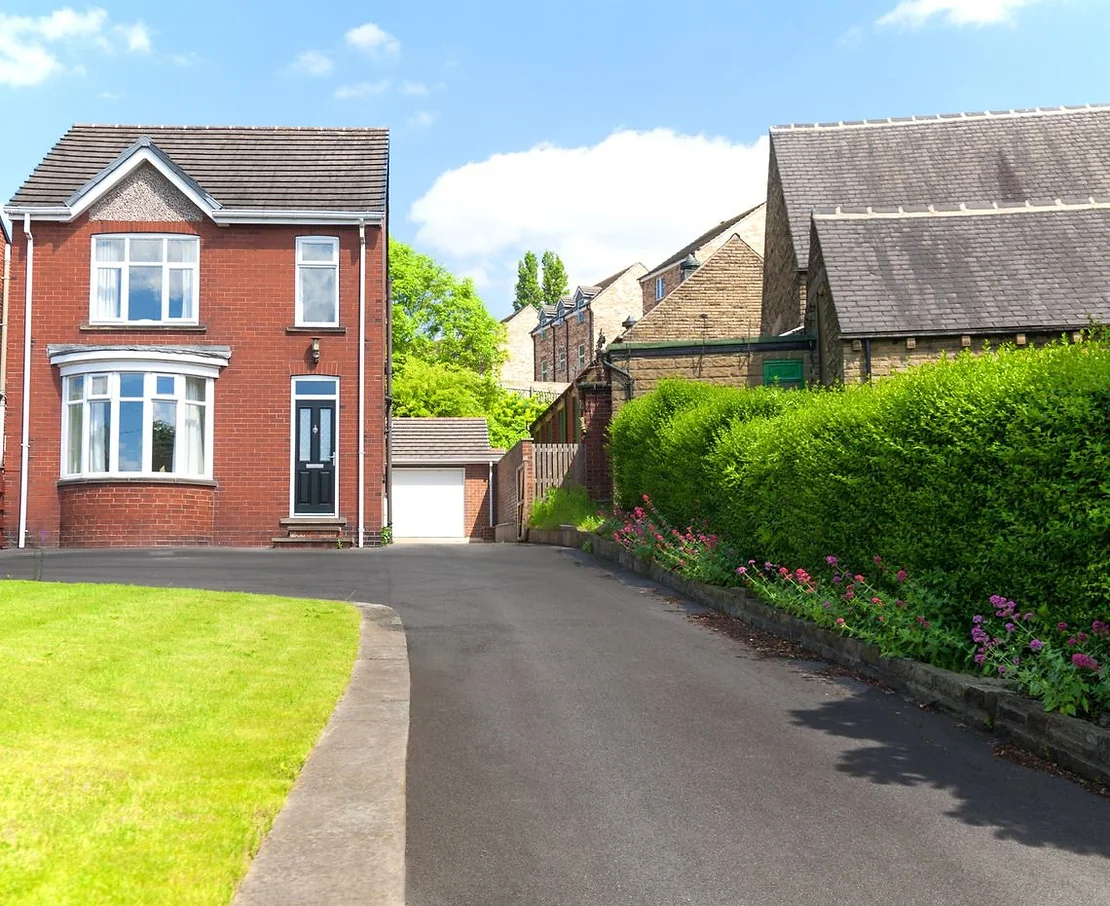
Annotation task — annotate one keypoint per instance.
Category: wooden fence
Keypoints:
(558, 465)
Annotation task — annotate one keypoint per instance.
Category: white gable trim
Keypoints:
(142, 152)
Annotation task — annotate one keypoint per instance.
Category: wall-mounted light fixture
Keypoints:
(314, 350)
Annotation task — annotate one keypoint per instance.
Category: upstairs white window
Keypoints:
(317, 281)
(543, 370)
(562, 360)
(144, 279)
(660, 288)
(581, 356)
(581, 316)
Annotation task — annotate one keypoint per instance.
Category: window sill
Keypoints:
(150, 327)
(316, 331)
(77, 480)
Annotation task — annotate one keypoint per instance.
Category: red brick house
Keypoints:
(197, 338)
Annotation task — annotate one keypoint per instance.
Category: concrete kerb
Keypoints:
(340, 837)
(1074, 744)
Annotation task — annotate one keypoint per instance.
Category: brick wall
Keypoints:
(520, 354)
(134, 514)
(477, 499)
(783, 287)
(722, 298)
(671, 277)
(505, 486)
(731, 368)
(611, 307)
(246, 293)
(596, 407)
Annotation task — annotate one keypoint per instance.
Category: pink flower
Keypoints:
(840, 621)
(1062, 627)
(849, 594)
(742, 570)
(831, 560)
(1036, 644)
(859, 579)
(878, 601)
(1085, 662)
(902, 575)
(877, 559)
(1081, 637)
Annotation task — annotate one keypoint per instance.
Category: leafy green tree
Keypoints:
(439, 318)
(528, 290)
(554, 278)
(440, 389)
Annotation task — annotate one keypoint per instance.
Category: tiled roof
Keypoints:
(1007, 269)
(277, 168)
(434, 441)
(700, 241)
(1003, 157)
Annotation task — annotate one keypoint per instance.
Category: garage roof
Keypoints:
(441, 441)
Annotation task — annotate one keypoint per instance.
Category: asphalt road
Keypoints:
(576, 739)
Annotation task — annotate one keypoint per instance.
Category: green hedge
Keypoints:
(981, 475)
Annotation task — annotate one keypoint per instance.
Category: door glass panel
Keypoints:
(304, 434)
(315, 388)
(130, 436)
(325, 434)
(164, 435)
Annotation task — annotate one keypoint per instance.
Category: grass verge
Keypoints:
(148, 737)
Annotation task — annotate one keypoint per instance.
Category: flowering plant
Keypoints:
(1063, 667)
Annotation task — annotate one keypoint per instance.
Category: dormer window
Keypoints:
(660, 288)
(144, 278)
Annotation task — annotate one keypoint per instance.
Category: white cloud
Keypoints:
(423, 119)
(361, 89)
(915, 13)
(636, 196)
(312, 63)
(415, 89)
(375, 41)
(32, 49)
(109, 95)
(137, 36)
(185, 59)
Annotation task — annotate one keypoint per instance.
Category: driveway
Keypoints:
(576, 739)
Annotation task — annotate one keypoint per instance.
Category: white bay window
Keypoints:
(134, 423)
(139, 278)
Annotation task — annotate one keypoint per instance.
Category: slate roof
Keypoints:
(441, 441)
(273, 168)
(700, 241)
(1008, 270)
(1004, 157)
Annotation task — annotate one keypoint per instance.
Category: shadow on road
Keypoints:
(923, 749)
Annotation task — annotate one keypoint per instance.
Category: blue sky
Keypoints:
(608, 131)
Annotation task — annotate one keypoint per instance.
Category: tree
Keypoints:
(554, 278)
(439, 318)
(528, 290)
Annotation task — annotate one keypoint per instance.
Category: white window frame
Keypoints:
(294, 395)
(124, 267)
(543, 370)
(151, 370)
(300, 320)
(562, 366)
(660, 288)
(581, 356)
(581, 316)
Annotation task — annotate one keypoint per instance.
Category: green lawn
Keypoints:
(148, 737)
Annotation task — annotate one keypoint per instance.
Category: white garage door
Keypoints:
(428, 503)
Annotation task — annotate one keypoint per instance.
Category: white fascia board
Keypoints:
(322, 218)
(116, 172)
(5, 226)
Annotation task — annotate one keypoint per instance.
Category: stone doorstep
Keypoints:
(1074, 744)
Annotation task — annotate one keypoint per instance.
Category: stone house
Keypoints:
(1002, 157)
(662, 279)
(196, 346)
(568, 333)
(520, 351)
(893, 287)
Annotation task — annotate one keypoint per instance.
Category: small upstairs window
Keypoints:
(317, 281)
(581, 316)
(660, 288)
(144, 279)
(581, 356)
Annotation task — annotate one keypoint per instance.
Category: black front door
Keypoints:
(314, 462)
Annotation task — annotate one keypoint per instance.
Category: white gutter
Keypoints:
(224, 216)
(25, 455)
(361, 383)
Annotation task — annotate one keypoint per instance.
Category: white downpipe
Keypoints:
(25, 454)
(4, 347)
(361, 384)
(490, 492)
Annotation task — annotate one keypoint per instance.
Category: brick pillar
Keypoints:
(597, 412)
